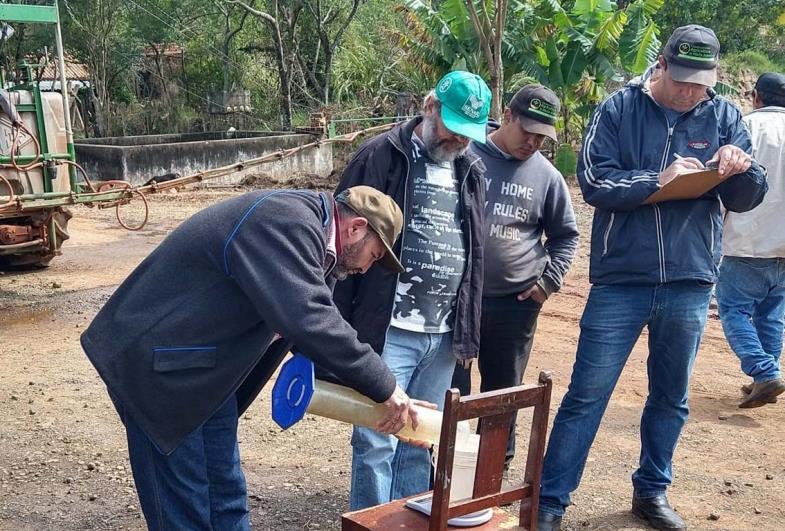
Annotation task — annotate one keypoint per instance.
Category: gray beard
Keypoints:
(435, 148)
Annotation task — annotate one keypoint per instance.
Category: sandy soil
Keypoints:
(63, 461)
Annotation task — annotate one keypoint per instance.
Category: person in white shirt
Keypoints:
(751, 285)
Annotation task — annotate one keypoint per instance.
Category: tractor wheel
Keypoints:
(40, 259)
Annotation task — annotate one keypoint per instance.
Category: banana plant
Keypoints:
(580, 52)
(590, 48)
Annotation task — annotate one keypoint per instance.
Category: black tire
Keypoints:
(38, 260)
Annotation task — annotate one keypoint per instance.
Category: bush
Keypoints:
(750, 60)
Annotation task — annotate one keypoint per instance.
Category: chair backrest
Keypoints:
(495, 409)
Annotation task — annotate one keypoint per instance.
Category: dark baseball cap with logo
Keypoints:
(383, 215)
(692, 53)
(771, 83)
(537, 108)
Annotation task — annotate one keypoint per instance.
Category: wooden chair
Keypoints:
(495, 410)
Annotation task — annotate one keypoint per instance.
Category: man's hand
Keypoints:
(417, 442)
(398, 407)
(731, 160)
(679, 166)
(535, 293)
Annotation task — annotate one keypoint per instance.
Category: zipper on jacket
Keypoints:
(660, 242)
(462, 197)
(657, 214)
(667, 145)
(405, 212)
(607, 232)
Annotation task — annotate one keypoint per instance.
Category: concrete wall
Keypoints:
(138, 159)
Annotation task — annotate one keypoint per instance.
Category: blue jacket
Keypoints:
(627, 144)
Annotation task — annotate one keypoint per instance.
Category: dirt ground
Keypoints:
(63, 463)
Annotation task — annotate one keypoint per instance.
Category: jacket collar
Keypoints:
(330, 224)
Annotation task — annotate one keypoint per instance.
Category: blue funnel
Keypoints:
(293, 391)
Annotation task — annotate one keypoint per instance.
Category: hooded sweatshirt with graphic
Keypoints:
(524, 201)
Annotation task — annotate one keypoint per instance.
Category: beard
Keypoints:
(439, 150)
(348, 262)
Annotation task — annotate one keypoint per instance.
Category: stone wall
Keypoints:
(139, 159)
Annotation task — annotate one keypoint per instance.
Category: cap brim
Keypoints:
(390, 261)
(538, 128)
(460, 126)
(685, 74)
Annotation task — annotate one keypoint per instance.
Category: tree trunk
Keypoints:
(225, 52)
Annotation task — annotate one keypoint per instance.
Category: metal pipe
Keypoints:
(17, 246)
(24, 159)
(69, 134)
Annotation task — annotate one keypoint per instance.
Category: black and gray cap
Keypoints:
(771, 83)
(692, 53)
(537, 108)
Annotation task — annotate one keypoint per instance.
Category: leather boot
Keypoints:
(762, 393)
(747, 389)
(658, 512)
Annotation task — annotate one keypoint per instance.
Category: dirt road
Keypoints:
(63, 462)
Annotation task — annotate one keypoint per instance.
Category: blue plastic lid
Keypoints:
(293, 391)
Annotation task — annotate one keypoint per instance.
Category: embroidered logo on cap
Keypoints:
(695, 52)
(543, 108)
(472, 106)
(445, 85)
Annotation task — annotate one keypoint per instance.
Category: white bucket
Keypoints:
(464, 467)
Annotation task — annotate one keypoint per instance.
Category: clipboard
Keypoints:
(688, 185)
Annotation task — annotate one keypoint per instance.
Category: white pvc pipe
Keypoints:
(346, 405)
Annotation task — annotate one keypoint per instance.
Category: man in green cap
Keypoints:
(424, 318)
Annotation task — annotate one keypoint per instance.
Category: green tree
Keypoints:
(740, 25)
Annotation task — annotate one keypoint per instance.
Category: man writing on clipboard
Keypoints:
(652, 265)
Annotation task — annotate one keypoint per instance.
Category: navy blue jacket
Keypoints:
(627, 144)
(192, 324)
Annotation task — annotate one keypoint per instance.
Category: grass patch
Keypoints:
(751, 61)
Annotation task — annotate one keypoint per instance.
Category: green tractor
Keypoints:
(37, 162)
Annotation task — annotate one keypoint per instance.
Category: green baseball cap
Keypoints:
(466, 102)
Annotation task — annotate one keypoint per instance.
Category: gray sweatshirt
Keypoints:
(525, 199)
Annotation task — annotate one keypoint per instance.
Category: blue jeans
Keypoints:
(751, 301)
(199, 486)
(612, 321)
(382, 468)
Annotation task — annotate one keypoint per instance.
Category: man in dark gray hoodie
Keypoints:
(526, 197)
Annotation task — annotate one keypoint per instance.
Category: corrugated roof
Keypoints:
(73, 70)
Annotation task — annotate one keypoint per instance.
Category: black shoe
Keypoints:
(548, 522)
(763, 393)
(658, 512)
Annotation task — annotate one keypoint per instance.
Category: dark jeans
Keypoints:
(199, 486)
(506, 338)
